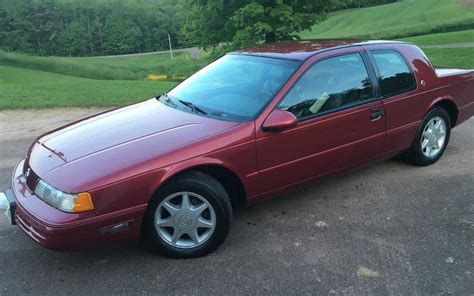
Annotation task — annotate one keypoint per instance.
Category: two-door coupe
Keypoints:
(253, 123)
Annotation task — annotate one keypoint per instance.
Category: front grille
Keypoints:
(31, 178)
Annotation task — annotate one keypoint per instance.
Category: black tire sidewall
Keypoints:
(208, 188)
(418, 157)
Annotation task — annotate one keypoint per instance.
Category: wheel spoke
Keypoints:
(199, 209)
(432, 125)
(172, 209)
(176, 235)
(193, 235)
(440, 142)
(186, 204)
(424, 143)
(428, 150)
(203, 223)
(442, 129)
(428, 132)
(165, 223)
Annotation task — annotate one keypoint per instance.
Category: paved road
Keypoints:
(385, 229)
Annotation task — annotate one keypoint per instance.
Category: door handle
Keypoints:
(376, 114)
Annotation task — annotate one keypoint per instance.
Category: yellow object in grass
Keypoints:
(157, 77)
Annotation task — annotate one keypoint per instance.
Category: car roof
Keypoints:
(303, 49)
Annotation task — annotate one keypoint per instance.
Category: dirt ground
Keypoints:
(385, 229)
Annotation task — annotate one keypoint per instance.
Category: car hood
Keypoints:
(128, 126)
(120, 140)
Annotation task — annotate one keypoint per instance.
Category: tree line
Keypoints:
(81, 28)
(107, 27)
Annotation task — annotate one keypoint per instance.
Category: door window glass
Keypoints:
(328, 85)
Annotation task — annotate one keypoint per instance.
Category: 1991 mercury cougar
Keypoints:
(171, 170)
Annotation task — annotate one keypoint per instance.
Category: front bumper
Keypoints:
(57, 230)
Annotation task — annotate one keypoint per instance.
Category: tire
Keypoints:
(168, 208)
(416, 154)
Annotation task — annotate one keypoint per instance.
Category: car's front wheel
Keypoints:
(431, 139)
(189, 217)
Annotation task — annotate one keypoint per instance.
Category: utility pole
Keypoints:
(169, 41)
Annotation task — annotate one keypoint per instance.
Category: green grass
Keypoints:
(442, 38)
(400, 19)
(451, 57)
(448, 57)
(25, 88)
(41, 82)
(107, 68)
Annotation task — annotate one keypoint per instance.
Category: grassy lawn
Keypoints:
(442, 38)
(406, 18)
(451, 57)
(108, 68)
(40, 82)
(25, 88)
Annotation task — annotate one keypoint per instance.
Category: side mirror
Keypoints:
(279, 120)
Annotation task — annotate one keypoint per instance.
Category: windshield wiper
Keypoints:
(195, 108)
(167, 98)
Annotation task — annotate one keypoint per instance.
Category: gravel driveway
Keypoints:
(385, 229)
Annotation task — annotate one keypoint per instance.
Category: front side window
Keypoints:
(328, 85)
(395, 75)
(234, 87)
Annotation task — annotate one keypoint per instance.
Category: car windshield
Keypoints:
(234, 87)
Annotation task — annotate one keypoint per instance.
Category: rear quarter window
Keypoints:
(395, 75)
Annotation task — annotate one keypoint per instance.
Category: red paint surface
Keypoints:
(123, 156)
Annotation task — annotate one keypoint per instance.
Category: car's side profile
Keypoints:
(254, 123)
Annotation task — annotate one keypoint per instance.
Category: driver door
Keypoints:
(341, 124)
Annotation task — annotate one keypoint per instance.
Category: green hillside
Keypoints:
(442, 38)
(405, 18)
(28, 81)
(451, 57)
(25, 88)
(108, 68)
(462, 57)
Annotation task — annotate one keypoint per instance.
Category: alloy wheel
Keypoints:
(433, 137)
(185, 220)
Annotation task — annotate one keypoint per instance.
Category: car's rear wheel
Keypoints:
(431, 139)
(189, 217)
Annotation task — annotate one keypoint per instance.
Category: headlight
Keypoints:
(72, 203)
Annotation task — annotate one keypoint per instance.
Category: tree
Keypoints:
(88, 27)
(213, 22)
(73, 41)
(44, 27)
(13, 27)
(98, 27)
(121, 36)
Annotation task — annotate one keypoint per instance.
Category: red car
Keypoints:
(253, 123)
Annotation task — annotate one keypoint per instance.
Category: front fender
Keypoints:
(171, 171)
